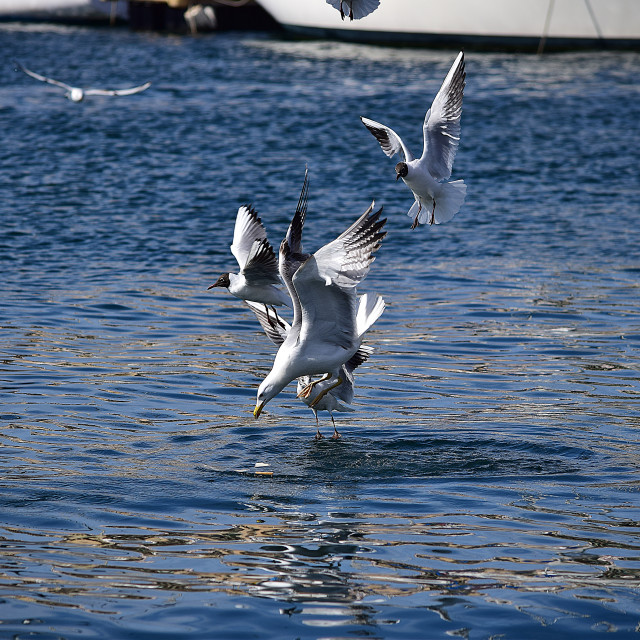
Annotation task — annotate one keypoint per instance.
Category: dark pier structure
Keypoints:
(184, 16)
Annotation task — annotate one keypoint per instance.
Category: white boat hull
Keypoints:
(43, 9)
(502, 23)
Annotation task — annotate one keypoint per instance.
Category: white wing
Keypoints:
(345, 261)
(370, 308)
(389, 140)
(442, 123)
(328, 312)
(261, 267)
(273, 325)
(248, 229)
(117, 92)
(37, 76)
(325, 283)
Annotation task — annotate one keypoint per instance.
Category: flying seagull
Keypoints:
(258, 279)
(76, 94)
(338, 398)
(356, 9)
(435, 199)
(324, 334)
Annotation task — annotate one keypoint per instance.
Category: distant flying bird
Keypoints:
(325, 332)
(76, 94)
(258, 279)
(356, 9)
(434, 198)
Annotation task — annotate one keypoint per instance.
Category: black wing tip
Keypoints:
(360, 357)
(303, 200)
(264, 249)
(253, 212)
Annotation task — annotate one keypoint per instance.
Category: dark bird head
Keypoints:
(222, 281)
(401, 170)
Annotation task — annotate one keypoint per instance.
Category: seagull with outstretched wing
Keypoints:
(325, 332)
(338, 398)
(77, 94)
(436, 200)
(258, 279)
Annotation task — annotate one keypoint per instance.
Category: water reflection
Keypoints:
(332, 571)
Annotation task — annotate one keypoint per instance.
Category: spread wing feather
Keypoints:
(346, 260)
(247, 230)
(275, 328)
(441, 127)
(291, 255)
(325, 283)
(37, 76)
(117, 92)
(262, 265)
(389, 140)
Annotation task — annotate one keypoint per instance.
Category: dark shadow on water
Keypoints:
(396, 461)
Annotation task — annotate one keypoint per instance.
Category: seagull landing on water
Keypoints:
(356, 9)
(435, 199)
(259, 279)
(325, 333)
(76, 94)
(339, 397)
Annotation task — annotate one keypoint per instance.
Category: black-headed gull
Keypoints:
(338, 398)
(77, 94)
(324, 334)
(435, 199)
(258, 279)
(356, 9)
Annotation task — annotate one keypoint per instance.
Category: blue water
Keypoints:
(487, 484)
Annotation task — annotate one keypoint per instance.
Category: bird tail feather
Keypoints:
(449, 201)
(370, 308)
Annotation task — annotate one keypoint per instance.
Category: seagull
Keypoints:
(324, 333)
(259, 278)
(76, 94)
(426, 176)
(357, 8)
(338, 398)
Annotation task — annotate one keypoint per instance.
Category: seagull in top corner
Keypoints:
(76, 94)
(435, 199)
(356, 9)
